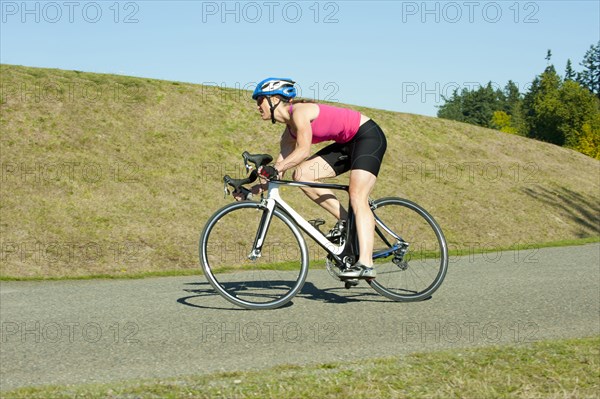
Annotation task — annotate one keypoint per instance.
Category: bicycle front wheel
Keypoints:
(266, 280)
(411, 254)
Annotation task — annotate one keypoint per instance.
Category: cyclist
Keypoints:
(358, 146)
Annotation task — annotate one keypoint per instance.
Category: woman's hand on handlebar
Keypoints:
(268, 172)
(241, 195)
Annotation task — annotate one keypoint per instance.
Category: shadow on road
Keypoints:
(340, 294)
(205, 291)
(337, 295)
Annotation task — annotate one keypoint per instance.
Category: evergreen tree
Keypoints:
(569, 72)
(479, 106)
(474, 106)
(511, 91)
(560, 111)
(590, 76)
(563, 113)
(548, 56)
(452, 107)
(514, 108)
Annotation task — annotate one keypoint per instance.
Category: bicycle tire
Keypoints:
(267, 282)
(420, 272)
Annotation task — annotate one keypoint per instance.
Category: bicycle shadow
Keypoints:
(205, 291)
(333, 295)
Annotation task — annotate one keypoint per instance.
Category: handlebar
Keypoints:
(238, 183)
(258, 160)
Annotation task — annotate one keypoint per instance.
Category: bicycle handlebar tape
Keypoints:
(253, 176)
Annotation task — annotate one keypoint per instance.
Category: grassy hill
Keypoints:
(107, 174)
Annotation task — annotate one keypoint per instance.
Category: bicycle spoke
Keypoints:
(265, 281)
(414, 270)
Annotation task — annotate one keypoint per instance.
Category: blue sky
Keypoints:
(394, 55)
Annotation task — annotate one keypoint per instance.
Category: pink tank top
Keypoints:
(333, 124)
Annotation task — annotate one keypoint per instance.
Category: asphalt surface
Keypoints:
(72, 332)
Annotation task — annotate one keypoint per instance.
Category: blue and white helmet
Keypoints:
(275, 86)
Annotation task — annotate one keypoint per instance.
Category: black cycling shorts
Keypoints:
(364, 151)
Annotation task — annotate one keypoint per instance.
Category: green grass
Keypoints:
(548, 369)
(109, 175)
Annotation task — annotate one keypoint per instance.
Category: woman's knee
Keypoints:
(358, 198)
(360, 188)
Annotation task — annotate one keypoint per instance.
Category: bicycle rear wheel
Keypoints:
(411, 254)
(266, 282)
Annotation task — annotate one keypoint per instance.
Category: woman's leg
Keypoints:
(312, 170)
(361, 185)
(368, 149)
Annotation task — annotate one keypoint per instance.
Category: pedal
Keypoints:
(350, 283)
(345, 279)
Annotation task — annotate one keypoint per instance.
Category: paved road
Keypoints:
(71, 332)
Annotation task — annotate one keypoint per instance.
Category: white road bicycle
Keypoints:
(253, 253)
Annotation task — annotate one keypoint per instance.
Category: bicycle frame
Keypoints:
(338, 252)
(273, 199)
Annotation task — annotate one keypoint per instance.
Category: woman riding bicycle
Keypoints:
(359, 146)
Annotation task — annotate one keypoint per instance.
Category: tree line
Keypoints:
(564, 110)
